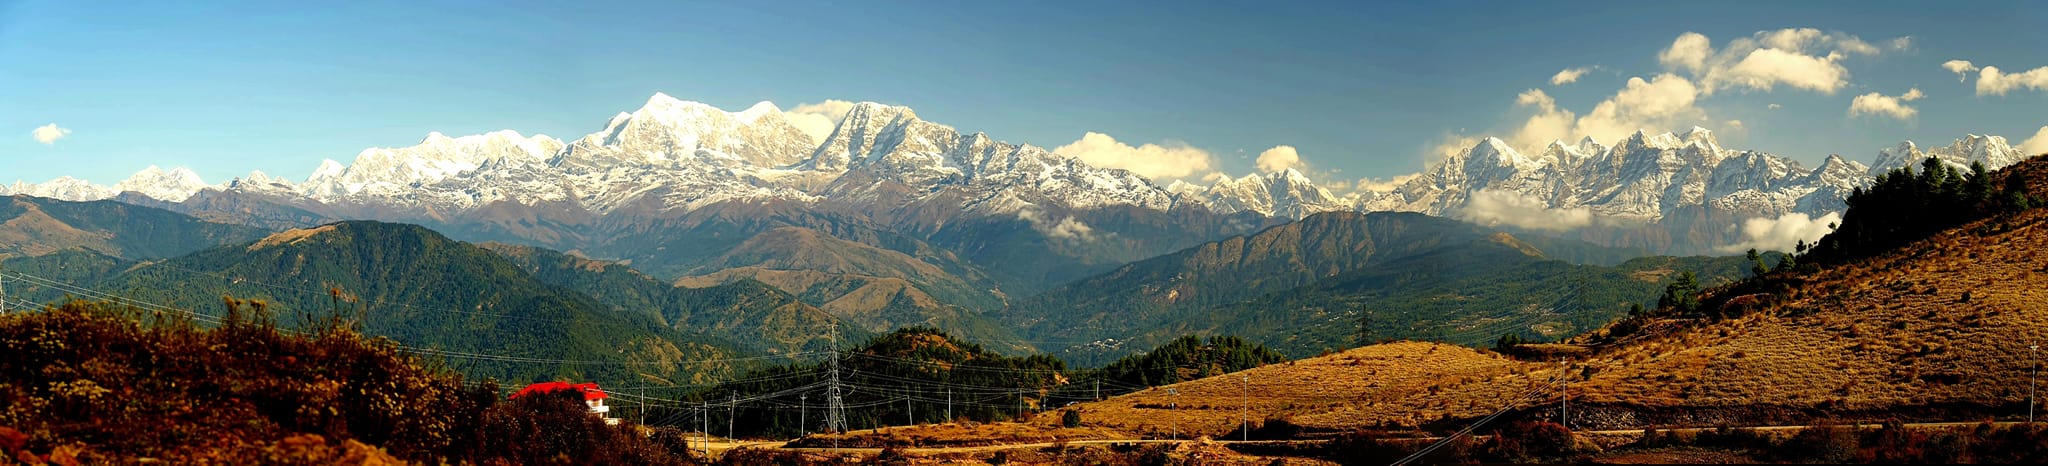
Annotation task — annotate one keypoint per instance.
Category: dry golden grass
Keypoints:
(292, 236)
(1407, 383)
(35, 233)
(1888, 333)
(964, 435)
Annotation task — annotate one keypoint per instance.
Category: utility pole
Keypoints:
(729, 415)
(1244, 413)
(949, 404)
(1098, 389)
(1564, 404)
(1175, 396)
(803, 413)
(909, 412)
(643, 406)
(704, 425)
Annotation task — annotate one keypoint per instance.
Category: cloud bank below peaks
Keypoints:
(1783, 233)
(1496, 207)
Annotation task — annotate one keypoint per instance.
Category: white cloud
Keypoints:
(1279, 158)
(1961, 68)
(49, 134)
(1876, 104)
(1155, 161)
(1782, 233)
(1548, 124)
(1992, 81)
(1663, 101)
(1763, 69)
(1660, 102)
(1066, 228)
(1451, 145)
(1689, 52)
(817, 120)
(1495, 207)
(1797, 58)
(2038, 144)
(1801, 58)
(1370, 184)
(1569, 75)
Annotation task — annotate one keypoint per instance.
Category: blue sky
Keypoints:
(1359, 90)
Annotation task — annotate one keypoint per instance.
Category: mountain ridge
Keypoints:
(676, 155)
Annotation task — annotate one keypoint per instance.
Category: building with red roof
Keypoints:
(592, 396)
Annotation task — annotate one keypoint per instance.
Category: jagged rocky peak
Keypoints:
(258, 181)
(1838, 172)
(1494, 151)
(855, 135)
(1642, 140)
(1284, 193)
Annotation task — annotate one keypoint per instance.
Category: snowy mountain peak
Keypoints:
(670, 134)
(328, 169)
(855, 136)
(758, 111)
(174, 185)
(257, 181)
(1992, 151)
(393, 171)
(1702, 137)
(677, 112)
(62, 188)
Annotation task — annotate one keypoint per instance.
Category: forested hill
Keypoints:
(34, 226)
(760, 317)
(1306, 287)
(488, 317)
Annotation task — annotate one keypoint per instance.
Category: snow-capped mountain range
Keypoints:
(678, 155)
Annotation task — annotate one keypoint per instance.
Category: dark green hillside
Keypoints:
(891, 379)
(759, 317)
(1469, 296)
(1154, 291)
(33, 226)
(1301, 287)
(425, 290)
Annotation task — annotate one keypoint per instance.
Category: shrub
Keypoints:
(1825, 443)
(1364, 447)
(1071, 419)
(1529, 440)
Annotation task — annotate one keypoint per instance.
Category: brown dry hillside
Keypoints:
(1936, 330)
(1407, 383)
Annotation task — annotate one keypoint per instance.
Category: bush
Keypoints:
(1825, 443)
(1531, 440)
(1071, 419)
(108, 384)
(124, 383)
(1364, 447)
